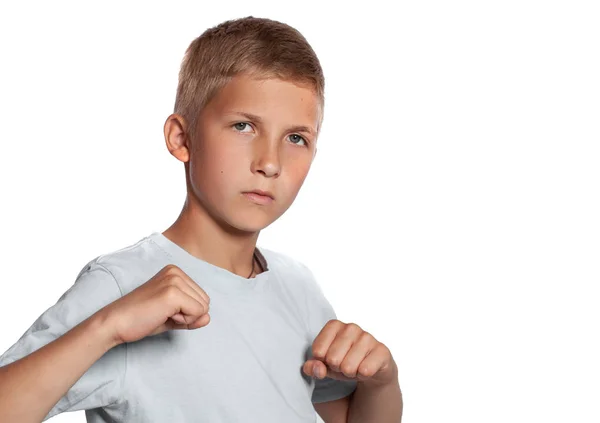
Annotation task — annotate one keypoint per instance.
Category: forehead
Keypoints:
(270, 98)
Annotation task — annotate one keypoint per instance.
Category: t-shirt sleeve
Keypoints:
(101, 385)
(320, 312)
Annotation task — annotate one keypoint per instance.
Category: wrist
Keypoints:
(104, 330)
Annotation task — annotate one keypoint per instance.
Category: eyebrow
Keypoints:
(299, 128)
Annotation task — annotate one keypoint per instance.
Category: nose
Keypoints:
(267, 160)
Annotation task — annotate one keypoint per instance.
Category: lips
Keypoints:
(263, 193)
(259, 197)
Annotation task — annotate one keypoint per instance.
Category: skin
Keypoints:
(344, 351)
(231, 153)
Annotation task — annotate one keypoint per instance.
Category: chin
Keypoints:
(249, 222)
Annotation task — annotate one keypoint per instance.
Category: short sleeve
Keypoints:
(320, 311)
(94, 288)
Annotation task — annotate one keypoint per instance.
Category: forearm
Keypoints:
(31, 386)
(381, 404)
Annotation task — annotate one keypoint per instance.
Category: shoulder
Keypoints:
(130, 266)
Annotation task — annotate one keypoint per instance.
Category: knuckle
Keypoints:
(367, 336)
(172, 279)
(171, 292)
(379, 348)
(353, 327)
(171, 268)
(347, 369)
(350, 330)
(331, 322)
(332, 360)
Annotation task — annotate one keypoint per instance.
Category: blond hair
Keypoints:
(261, 47)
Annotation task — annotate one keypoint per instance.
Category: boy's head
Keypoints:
(248, 112)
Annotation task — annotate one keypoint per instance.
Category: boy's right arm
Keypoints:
(43, 366)
(31, 386)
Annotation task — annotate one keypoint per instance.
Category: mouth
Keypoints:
(259, 197)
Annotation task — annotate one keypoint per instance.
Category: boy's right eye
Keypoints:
(242, 124)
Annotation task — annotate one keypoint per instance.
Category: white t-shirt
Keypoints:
(244, 366)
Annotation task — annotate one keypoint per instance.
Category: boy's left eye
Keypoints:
(300, 138)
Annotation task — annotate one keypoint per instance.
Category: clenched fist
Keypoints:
(169, 300)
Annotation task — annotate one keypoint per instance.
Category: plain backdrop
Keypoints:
(452, 211)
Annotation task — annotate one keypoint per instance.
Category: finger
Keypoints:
(186, 287)
(315, 368)
(179, 318)
(192, 284)
(194, 295)
(201, 321)
(320, 369)
(374, 361)
(341, 345)
(310, 366)
(198, 323)
(183, 303)
(183, 319)
(325, 338)
(182, 278)
(357, 353)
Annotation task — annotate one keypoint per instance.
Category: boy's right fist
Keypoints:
(169, 300)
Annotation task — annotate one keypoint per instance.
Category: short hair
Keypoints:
(261, 47)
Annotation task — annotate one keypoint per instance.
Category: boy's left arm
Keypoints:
(345, 352)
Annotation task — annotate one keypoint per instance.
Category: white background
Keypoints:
(452, 210)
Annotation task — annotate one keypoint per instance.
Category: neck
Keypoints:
(200, 235)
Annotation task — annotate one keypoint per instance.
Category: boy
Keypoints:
(247, 115)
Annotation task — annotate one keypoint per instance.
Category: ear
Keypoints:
(176, 137)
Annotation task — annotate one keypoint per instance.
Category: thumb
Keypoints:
(311, 366)
(179, 318)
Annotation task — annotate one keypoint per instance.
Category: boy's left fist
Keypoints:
(344, 351)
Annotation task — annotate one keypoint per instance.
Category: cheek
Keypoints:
(296, 176)
(223, 169)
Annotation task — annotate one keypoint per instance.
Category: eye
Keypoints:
(298, 138)
(240, 126)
